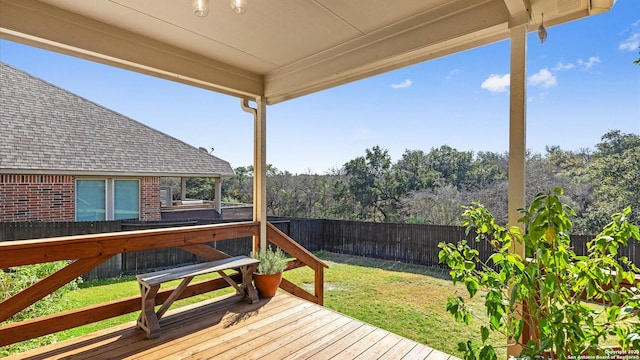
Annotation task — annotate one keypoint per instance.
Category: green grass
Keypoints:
(408, 300)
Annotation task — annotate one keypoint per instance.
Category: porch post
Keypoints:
(183, 188)
(218, 194)
(260, 170)
(517, 135)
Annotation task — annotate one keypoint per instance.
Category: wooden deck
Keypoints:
(284, 327)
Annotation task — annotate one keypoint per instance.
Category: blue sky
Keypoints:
(581, 83)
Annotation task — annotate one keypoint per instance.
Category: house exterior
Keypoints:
(65, 158)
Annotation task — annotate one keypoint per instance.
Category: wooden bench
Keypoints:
(150, 284)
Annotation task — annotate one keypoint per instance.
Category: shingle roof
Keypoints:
(48, 130)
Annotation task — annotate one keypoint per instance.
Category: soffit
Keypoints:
(279, 49)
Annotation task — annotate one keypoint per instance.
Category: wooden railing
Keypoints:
(88, 251)
(302, 257)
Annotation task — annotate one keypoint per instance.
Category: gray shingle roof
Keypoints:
(48, 130)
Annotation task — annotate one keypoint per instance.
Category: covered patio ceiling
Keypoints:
(278, 49)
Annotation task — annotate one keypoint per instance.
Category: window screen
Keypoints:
(126, 199)
(90, 200)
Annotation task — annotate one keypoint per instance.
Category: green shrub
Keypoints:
(550, 281)
(271, 262)
(16, 279)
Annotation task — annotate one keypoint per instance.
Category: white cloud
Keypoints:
(586, 65)
(563, 66)
(543, 78)
(632, 43)
(452, 73)
(403, 85)
(497, 83)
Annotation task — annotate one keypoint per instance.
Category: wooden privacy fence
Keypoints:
(409, 243)
(418, 244)
(36, 229)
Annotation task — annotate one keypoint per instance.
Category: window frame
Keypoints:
(106, 197)
(109, 196)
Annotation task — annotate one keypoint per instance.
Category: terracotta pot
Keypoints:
(267, 285)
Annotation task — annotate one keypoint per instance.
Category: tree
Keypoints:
(372, 184)
(315, 195)
(494, 198)
(453, 165)
(615, 174)
(297, 195)
(373, 188)
(439, 206)
(240, 187)
(201, 188)
(280, 192)
(616, 142)
(487, 168)
(551, 281)
(568, 163)
(413, 172)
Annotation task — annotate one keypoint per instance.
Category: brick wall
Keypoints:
(36, 198)
(51, 198)
(150, 199)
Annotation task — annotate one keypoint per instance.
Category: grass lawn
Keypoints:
(408, 300)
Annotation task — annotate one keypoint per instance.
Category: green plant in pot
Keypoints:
(268, 276)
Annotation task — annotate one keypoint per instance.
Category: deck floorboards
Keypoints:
(284, 327)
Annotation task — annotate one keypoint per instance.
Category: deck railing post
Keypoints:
(319, 284)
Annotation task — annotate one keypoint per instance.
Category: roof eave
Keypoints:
(110, 173)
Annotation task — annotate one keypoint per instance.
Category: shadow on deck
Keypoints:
(284, 327)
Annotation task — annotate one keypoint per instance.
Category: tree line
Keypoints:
(430, 187)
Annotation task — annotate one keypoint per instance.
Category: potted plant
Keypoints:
(268, 276)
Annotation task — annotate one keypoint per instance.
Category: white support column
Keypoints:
(517, 135)
(259, 166)
(218, 194)
(517, 127)
(260, 170)
(183, 188)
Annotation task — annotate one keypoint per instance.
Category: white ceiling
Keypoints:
(279, 49)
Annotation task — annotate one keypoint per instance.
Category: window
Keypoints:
(107, 199)
(90, 200)
(126, 199)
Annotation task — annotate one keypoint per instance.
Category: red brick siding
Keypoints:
(37, 198)
(150, 199)
(51, 198)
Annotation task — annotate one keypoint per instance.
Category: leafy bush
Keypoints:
(16, 279)
(553, 282)
(271, 261)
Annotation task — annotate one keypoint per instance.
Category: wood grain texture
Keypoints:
(46, 286)
(282, 327)
(26, 252)
(29, 329)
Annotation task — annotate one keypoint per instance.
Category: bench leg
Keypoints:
(173, 297)
(247, 283)
(148, 321)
